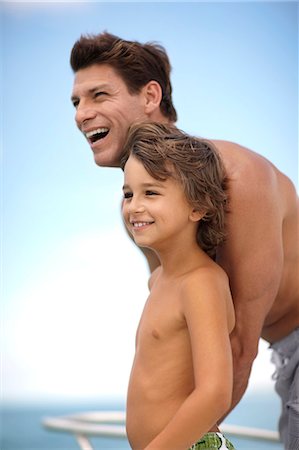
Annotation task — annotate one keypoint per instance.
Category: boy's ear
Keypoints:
(195, 215)
(153, 95)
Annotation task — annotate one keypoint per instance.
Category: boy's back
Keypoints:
(186, 306)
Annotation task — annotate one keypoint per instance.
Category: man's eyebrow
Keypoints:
(91, 91)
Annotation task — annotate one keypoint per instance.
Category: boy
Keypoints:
(174, 203)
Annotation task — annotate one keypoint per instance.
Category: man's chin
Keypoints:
(103, 161)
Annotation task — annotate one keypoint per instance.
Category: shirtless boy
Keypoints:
(119, 82)
(174, 203)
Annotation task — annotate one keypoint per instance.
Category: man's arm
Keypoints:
(252, 257)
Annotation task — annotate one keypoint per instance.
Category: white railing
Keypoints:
(111, 424)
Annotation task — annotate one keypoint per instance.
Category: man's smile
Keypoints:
(96, 134)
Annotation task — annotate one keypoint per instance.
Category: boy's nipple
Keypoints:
(155, 334)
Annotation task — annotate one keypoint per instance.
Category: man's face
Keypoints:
(104, 111)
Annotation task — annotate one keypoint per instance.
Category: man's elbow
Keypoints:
(244, 351)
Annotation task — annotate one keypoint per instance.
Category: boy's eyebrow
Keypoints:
(147, 185)
(91, 91)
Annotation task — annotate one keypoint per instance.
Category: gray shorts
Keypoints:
(285, 356)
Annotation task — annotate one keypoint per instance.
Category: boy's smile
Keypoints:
(137, 225)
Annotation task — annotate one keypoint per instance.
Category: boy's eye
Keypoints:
(128, 195)
(151, 193)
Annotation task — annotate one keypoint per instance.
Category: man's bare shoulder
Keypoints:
(250, 173)
(229, 146)
(239, 159)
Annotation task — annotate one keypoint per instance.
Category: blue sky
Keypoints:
(72, 283)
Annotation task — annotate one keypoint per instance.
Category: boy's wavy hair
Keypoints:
(136, 63)
(165, 151)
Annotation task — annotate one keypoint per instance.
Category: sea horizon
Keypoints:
(22, 429)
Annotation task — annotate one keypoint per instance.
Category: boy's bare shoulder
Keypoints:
(207, 290)
(205, 277)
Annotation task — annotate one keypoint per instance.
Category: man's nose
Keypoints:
(83, 114)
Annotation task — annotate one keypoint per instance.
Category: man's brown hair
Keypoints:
(136, 63)
(165, 151)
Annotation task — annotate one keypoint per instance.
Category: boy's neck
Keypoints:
(178, 261)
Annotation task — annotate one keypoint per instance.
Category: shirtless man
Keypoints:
(181, 380)
(118, 83)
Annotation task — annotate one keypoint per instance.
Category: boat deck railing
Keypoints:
(112, 424)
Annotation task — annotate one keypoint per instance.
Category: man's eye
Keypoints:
(75, 103)
(128, 195)
(100, 94)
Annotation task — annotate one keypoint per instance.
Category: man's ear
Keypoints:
(153, 95)
(195, 215)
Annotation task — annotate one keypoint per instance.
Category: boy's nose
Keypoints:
(136, 206)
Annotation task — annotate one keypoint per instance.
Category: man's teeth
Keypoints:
(140, 224)
(89, 134)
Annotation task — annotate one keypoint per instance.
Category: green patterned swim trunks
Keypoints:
(213, 441)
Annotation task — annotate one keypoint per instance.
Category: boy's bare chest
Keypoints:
(162, 317)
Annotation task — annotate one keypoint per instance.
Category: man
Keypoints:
(120, 82)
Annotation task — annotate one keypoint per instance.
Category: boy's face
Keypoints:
(155, 212)
(104, 111)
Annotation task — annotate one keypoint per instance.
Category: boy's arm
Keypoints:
(204, 310)
(253, 260)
